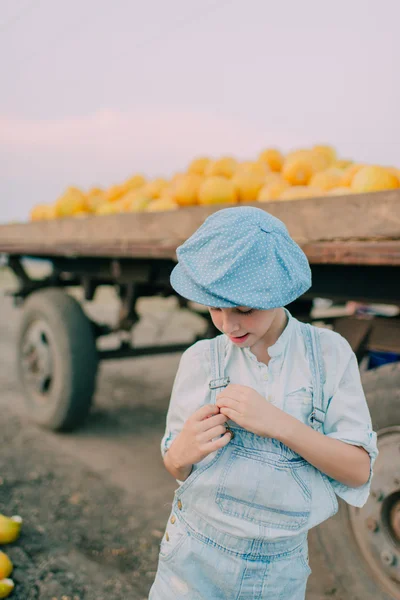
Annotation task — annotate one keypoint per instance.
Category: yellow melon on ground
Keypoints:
(10, 528)
(162, 204)
(6, 587)
(135, 182)
(218, 190)
(326, 180)
(248, 184)
(154, 189)
(186, 189)
(72, 201)
(6, 565)
(299, 191)
(373, 179)
(272, 191)
(348, 174)
(222, 167)
(273, 158)
(199, 165)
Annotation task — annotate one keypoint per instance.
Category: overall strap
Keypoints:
(217, 354)
(317, 366)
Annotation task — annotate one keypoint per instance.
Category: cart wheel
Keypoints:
(362, 545)
(57, 360)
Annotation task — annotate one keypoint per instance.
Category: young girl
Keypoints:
(267, 422)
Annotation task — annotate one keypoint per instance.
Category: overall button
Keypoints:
(265, 376)
(167, 536)
(173, 519)
(179, 505)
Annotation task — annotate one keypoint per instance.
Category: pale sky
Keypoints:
(93, 91)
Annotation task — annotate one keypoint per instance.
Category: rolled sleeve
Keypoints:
(348, 420)
(189, 392)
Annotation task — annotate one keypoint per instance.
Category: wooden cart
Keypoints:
(353, 245)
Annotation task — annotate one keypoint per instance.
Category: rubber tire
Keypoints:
(74, 356)
(334, 539)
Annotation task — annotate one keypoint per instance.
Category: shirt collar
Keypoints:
(280, 345)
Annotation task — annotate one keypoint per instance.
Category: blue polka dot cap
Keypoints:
(241, 256)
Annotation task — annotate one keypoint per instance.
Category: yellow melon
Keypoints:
(342, 163)
(162, 204)
(339, 191)
(373, 179)
(255, 168)
(222, 167)
(6, 565)
(94, 191)
(299, 191)
(199, 165)
(72, 201)
(114, 193)
(139, 204)
(326, 180)
(186, 188)
(217, 190)
(395, 172)
(6, 587)
(109, 208)
(272, 191)
(274, 178)
(248, 184)
(273, 158)
(135, 182)
(81, 214)
(299, 167)
(154, 189)
(42, 212)
(328, 152)
(349, 173)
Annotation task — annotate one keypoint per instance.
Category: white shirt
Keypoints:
(286, 382)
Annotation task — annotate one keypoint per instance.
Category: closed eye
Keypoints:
(241, 312)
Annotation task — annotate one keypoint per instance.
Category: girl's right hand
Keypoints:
(196, 440)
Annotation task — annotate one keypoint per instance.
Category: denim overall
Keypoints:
(239, 522)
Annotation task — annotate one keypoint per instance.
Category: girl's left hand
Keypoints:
(246, 407)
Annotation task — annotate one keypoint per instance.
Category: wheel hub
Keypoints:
(37, 364)
(376, 525)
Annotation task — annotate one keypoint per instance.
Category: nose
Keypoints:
(228, 324)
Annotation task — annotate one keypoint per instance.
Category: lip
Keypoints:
(238, 340)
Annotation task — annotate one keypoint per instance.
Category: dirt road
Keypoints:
(95, 502)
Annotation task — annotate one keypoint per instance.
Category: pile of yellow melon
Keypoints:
(271, 177)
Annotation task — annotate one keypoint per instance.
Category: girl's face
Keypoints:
(244, 326)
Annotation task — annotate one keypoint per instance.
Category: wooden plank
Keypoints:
(354, 253)
(363, 217)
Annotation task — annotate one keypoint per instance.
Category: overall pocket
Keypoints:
(174, 537)
(266, 489)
